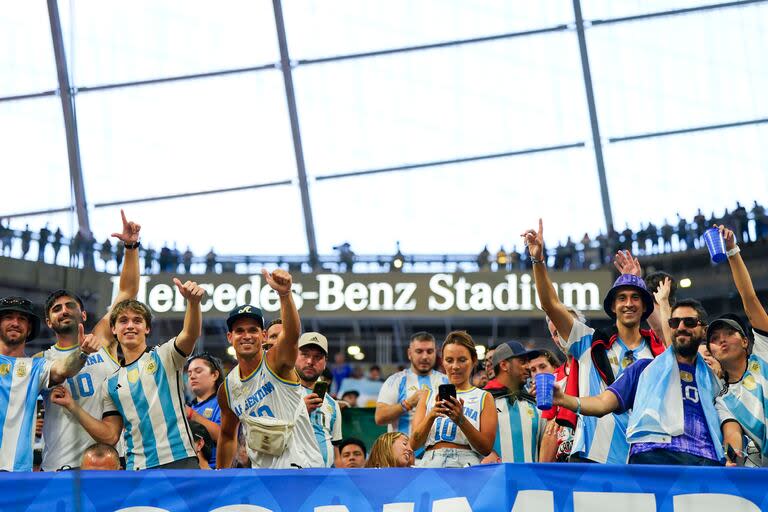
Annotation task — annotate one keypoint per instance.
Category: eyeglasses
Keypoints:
(15, 301)
(688, 321)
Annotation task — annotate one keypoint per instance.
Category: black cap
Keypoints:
(727, 320)
(246, 311)
(25, 307)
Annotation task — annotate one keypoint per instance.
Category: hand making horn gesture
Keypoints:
(189, 290)
(88, 344)
(535, 241)
(279, 280)
(130, 234)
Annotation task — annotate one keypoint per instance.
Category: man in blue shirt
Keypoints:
(661, 429)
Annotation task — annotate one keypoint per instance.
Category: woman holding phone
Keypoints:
(457, 423)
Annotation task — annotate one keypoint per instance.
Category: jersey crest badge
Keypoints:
(754, 366)
(208, 412)
(749, 382)
(686, 376)
(151, 366)
(21, 370)
(133, 375)
(5, 369)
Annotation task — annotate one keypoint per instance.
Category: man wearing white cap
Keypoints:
(324, 411)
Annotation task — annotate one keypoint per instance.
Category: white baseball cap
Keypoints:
(314, 338)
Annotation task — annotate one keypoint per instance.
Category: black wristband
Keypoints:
(134, 245)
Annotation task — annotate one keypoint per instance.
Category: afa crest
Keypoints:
(151, 366)
(5, 369)
(21, 370)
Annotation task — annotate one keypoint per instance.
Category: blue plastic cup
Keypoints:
(715, 244)
(545, 386)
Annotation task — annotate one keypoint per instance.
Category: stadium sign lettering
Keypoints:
(476, 294)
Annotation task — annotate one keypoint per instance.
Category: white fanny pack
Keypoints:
(267, 435)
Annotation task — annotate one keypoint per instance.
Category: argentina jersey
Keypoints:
(402, 385)
(601, 439)
(326, 424)
(149, 395)
(444, 429)
(264, 393)
(64, 438)
(519, 431)
(21, 380)
(745, 401)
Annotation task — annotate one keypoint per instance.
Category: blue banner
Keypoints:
(493, 488)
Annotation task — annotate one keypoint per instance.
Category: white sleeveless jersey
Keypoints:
(64, 438)
(444, 429)
(263, 393)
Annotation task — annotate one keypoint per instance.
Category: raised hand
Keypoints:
(535, 241)
(61, 396)
(130, 234)
(88, 344)
(662, 292)
(189, 290)
(728, 236)
(279, 280)
(625, 263)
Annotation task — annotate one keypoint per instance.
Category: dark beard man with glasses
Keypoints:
(672, 419)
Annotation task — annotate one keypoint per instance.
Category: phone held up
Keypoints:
(446, 390)
(320, 389)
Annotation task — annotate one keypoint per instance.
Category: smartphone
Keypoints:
(445, 391)
(320, 389)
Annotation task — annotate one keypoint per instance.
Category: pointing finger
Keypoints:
(122, 214)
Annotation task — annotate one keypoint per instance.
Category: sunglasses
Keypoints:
(688, 321)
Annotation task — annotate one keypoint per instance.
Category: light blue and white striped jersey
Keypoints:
(65, 439)
(745, 401)
(444, 429)
(402, 385)
(519, 431)
(21, 380)
(149, 395)
(326, 423)
(601, 439)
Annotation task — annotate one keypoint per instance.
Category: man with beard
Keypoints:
(602, 356)
(324, 412)
(22, 378)
(263, 391)
(401, 392)
(673, 418)
(65, 439)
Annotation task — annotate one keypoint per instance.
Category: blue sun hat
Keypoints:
(629, 281)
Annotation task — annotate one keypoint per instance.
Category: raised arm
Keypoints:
(664, 310)
(129, 280)
(282, 357)
(74, 362)
(551, 305)
(754, 310)
(226, 446)
(193, 318)
(106, 430)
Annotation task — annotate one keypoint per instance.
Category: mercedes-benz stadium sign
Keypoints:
(383, 295)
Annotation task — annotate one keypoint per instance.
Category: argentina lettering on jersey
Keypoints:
(519, 431)
(254, 399)
(326, 424)
(444, 429)
(264, 393)
(601, 439)
(149, 395)
(21, 380)
(402, 385)
(745, 400)
(63, 436)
